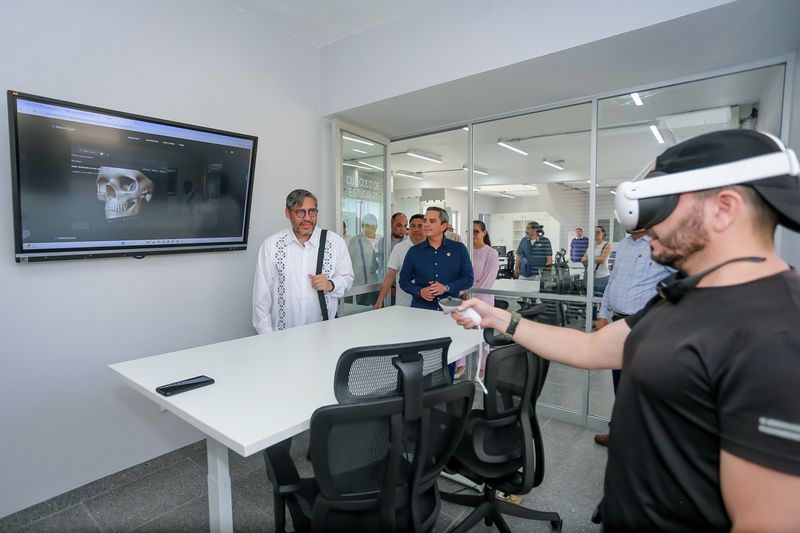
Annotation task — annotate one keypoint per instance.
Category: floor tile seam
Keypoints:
(45, 517)
(91, 516)
(118, 487)
(133, 480)
(184, 504)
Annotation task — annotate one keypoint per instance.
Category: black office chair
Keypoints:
(369, 372)
(501, 448)
(500, 304)
(376, 457)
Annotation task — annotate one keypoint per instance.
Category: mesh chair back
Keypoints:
(446, 411)
(444, 416)
(357, 453)
(510, 380)
(367, 372)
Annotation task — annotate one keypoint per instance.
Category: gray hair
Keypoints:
(442, 214)
(297, 197)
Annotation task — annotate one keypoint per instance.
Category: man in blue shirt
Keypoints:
(578, 246)
(533, 253)
(437, 267)
(631, 285)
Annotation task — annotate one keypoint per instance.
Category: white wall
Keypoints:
(65, 419)
(459, 38)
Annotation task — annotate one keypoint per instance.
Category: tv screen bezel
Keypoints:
(91, 252)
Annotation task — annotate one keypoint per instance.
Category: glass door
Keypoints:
(362, 179)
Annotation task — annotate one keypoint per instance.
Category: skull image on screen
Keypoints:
(123, 190)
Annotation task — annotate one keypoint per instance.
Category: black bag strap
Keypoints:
(596, 265)
(320, 255)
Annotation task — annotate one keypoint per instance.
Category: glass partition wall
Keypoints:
(363, 224)
(543, 184)
(531, 185)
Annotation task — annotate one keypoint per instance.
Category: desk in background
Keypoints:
(267, 386)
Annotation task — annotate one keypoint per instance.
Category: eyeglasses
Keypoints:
(301, 213)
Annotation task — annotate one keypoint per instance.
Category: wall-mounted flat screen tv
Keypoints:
(91, 182)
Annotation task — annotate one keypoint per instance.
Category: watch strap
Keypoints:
(512, 326)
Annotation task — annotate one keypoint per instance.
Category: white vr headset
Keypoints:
(651, 196)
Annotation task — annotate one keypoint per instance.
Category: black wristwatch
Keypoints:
(512, 326)
(332, 285)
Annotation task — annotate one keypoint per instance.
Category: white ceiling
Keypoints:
(321, 22)
(625, 142)
(725, 36)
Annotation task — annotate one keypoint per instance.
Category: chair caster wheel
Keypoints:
(556, 524)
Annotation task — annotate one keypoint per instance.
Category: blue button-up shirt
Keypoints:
(533, 256)
(633, 280)
(449, 265)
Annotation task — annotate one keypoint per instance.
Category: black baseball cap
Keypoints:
(781, 192)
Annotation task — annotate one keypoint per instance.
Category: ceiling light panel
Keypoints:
(361, 141)
(427, 157)
(512, 148)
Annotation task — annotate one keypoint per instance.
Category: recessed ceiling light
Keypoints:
(636, 99)
(362, 141)
(612, 191)
(407, 175)
(427, 157)
(475, 170)
(504, 195)
(512, 148)
(657, 134)
(359, 151)
(355, 166)
(376, 167)
(554, 164)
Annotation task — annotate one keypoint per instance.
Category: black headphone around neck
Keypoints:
(673, 288)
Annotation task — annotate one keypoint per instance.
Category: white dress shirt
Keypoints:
(282, 293)
(396, 259)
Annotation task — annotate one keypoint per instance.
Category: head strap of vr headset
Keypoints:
(734, 173)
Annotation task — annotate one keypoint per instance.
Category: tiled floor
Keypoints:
(168, 494)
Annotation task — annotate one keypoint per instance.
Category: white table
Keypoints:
(267, 386)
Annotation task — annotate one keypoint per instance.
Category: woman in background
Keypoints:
(485, 264)
(602, 249)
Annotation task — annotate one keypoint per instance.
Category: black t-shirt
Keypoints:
(718, 370)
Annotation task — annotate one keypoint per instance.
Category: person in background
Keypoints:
(450, 233)
(345, 235)
(364, 254)
(578, 246)
(396, 258)
(631, 285)
(602, 249)
(485, 264)
(706, 433)
(399, 230)
(533, 253)
(437, 267)
(286, 283)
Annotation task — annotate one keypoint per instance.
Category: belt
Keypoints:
(618, 316)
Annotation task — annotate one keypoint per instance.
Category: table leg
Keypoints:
(220, 510)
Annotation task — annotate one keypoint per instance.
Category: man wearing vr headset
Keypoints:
(706, 433)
